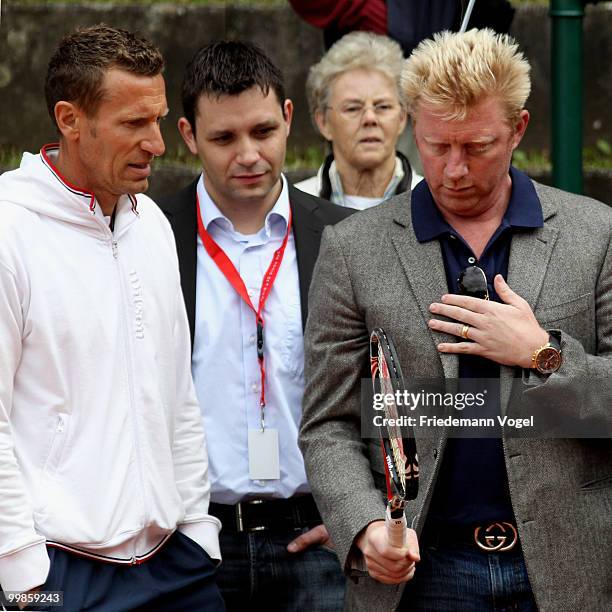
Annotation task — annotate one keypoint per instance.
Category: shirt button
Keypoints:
(254, 388)
(250, 292)
(472, 260)
(252, 339)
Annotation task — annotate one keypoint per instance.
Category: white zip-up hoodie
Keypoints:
(101, 441)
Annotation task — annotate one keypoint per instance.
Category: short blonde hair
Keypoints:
(454, 71)
(354, 51)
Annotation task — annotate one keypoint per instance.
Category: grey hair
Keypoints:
(453, 72)
(355, 50)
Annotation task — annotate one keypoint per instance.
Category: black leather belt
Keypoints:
(277, 515)
(498, 536)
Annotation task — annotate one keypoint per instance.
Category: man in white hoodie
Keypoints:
(103, 467)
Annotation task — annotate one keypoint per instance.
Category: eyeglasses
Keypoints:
(473, 282)
(354, 111)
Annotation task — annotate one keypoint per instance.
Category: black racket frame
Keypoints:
(379, 337)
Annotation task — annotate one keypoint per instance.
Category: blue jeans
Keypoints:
(258, 571)
(465, 579)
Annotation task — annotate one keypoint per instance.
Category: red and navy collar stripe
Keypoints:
(44, 154)
(134, 203)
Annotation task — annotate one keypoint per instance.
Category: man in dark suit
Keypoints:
(247, 243)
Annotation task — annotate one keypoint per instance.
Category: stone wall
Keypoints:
(532, 29)
(29, 33)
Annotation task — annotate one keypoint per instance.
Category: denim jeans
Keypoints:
(258, 570)
(465, 579)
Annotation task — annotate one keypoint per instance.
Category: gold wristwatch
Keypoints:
(547, 359)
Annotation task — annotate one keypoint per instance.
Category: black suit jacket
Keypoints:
(309, 216)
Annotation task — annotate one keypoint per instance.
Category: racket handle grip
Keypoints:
(396, 529)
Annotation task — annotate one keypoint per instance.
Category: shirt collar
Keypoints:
(524, 208)
(338, 196)
(276, 220)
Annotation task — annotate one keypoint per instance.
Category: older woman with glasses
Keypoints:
(356, 102)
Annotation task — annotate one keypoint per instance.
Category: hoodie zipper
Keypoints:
(129, 374)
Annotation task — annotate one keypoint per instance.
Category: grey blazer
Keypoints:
(372, 272)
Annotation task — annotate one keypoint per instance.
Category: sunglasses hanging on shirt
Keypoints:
(472, 281)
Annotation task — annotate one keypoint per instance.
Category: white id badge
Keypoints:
(263, 454)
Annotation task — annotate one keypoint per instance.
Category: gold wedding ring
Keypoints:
(464, 331)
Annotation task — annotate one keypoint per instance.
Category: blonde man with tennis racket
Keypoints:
(479, 274)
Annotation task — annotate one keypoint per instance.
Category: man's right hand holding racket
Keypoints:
(386, 563)
(390, 549)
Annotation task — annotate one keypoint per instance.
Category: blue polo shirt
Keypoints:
(473, 486)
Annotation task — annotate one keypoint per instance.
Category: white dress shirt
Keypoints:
(224, 364)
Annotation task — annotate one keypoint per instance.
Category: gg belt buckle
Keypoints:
(497, 537)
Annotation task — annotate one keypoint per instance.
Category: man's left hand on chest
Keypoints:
(507, 333)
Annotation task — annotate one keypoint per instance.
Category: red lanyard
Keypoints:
(228, 270)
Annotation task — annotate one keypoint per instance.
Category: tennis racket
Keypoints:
(400, 454)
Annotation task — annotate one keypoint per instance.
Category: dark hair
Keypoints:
(76, 69)
(228, 68)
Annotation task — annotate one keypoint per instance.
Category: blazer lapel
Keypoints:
(424, 269)
(307, 231)
(530, 254)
